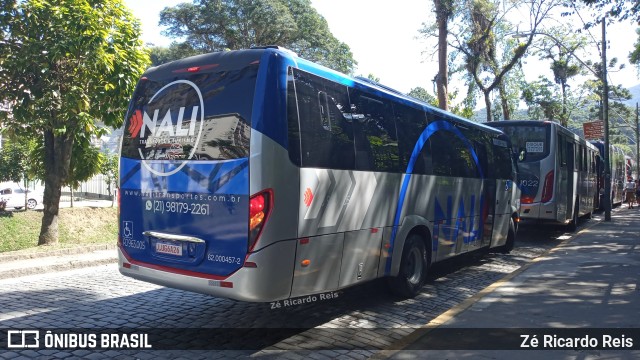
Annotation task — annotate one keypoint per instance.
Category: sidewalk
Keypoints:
(591, 283)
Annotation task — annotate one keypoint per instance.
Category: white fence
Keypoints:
(94, 188)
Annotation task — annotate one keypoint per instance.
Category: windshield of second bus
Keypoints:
(532, 139)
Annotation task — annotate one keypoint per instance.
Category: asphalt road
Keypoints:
(356, 324)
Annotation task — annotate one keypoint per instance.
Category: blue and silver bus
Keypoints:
(257, 175)
(557, 171)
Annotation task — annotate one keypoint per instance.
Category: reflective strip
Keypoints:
(173, 237)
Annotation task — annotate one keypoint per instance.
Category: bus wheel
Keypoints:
(511, 239)
(413, 268)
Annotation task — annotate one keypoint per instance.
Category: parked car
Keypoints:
(14, 195)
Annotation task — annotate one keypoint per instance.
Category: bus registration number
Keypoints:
(165, 248)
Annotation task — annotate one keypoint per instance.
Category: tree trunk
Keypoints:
(57, 159)
(71, 192)
(506, 112)
(563, 118)
(442, 79)
(487, 103)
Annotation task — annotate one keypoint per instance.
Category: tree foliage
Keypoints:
(109, 170)
(214, 25)
(634, 56)
(559, 46)
(619, 9)
(67, 63)
(541, 100)
(13, 161)
(421, 93)
(488, 51)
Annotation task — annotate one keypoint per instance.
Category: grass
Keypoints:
(19, 230)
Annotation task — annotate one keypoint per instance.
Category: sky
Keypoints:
(383, 37)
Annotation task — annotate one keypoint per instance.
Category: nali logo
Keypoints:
(141, 121)
(161, 134)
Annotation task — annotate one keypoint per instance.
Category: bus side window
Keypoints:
(376, 141)
(292, 119)
(410, 123)
(562, 151)
(342, 136)
(503, 167)
(326, 139)
(451, 156)
(323, 102)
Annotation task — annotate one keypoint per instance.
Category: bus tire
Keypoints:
(511, 239)
(414, 267)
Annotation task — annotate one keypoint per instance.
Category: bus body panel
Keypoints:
(268, 171)
(360, 256)
(180, 205)
(317, 264)
(507, 199)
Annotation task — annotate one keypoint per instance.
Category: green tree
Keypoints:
(15, 161)
(559, 46)
(373, 77)
(421, 93)
(160, 54)
(619, 9)
(12, 162)
(444, 10)
(214, 25)
(541, 100)
(67, 63)
(109, 170)
(634, 56)
(488, 52)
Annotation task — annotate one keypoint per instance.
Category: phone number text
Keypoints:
(158, 206)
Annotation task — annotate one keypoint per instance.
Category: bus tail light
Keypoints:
(547, 190)
(526, 199)
(260, 206)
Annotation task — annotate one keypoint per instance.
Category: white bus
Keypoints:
(557, 171)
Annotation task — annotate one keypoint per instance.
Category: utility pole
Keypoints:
(637, 144)
(605, 119)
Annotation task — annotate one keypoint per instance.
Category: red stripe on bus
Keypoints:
(173, 270)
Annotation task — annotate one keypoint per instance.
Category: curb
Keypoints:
(74, 264)
(19, 255)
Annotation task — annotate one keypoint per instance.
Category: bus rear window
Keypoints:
(191, 115)
(533, 139)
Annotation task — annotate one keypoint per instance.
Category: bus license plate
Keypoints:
(165, 248)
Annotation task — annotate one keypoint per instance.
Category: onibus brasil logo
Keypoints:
(166, 133)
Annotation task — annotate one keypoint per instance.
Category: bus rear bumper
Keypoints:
(538, 211)
(270, 280)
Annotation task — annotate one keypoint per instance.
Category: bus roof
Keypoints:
(253, 54)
